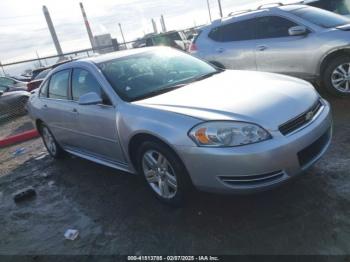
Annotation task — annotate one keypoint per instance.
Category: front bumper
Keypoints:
(260, 166)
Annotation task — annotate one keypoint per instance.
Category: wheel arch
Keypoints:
(138, 139)
(38, 123)
(330, 56)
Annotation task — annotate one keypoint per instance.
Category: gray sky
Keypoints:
(23, 29)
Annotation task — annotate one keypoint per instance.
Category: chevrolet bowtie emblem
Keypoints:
(309, 116)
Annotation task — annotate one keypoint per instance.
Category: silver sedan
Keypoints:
(180, 122)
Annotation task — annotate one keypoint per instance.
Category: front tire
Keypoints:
(50, 142)
(336, 78)
(164, 173)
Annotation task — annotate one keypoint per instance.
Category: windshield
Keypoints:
(321, 17)
(153, 72)
(336, 6)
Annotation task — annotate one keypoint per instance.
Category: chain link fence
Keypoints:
(15, 124)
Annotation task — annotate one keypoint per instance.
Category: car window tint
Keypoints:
(273, 27)
(149, 42)
(84, 82)
(42, 74)
(43, 89)
(59, 85)
(7, 82)
(320, 17)
(239, 31)
(3, 88)
(337, 6)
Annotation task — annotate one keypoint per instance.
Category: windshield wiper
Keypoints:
(170, 88)
(158, 92)
(202, 77)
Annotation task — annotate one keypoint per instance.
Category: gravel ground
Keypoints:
(115, 214)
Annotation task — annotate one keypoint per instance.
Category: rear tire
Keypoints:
(336, 77)
(164, 173)
(50, 143)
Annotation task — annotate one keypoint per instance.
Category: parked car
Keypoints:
(179, 121)
(297, 40)
(13, 103)
(337, 6)
(12, 84)
(22, 78)
(175, 39)
(36, 82)
(39, 77)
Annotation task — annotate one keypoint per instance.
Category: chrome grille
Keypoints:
(300, 120)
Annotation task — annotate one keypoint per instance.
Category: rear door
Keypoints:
(234, 45)
(57, 109)
(278, 52)
(96, 124)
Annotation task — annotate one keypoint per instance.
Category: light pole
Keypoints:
(209, 10)
(220, 8)
(121, 31)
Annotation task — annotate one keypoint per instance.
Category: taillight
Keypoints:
(193, 48)
(29, 87)
(33, 85)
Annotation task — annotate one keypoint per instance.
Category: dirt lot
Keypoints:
(115, 214)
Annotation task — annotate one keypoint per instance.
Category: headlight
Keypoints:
(227, 134)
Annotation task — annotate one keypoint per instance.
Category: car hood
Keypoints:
(14, 94)
(263, 98)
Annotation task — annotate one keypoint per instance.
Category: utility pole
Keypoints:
(209, 10)
(87, 25)
(121, 31)
(220, 8)
(155, 30)
(162, 23)
(52, 31)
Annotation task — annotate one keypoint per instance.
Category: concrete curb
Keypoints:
(11, 140)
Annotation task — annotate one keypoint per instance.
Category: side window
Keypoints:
(43, 89)
(149, 42)
(7, 82)
(58, 87)
(273, 27)
(238, 31)
(84, 82)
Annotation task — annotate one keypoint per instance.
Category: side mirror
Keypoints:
(90, 99)
(297, 31)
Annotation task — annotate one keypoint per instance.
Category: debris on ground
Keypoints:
(71, 234)
(19, 151)
(24, 194)
(41, 156)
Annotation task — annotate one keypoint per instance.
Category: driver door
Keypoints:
(277, 51)
(96, 124)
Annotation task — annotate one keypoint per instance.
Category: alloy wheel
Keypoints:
(159, 174)
(341, 78)
(49, 141)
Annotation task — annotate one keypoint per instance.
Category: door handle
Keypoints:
(220, 50)
(262, 47)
